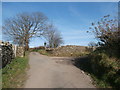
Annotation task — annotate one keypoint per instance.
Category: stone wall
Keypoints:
(8, 52)
(68, 50)
(6, 55)
(20, 51)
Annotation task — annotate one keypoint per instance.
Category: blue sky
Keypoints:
(72, 19)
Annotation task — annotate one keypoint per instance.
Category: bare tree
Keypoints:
(53, 37)
(106, 30)
(21, 28)
(108, 33)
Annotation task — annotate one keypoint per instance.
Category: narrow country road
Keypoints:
(49, 72)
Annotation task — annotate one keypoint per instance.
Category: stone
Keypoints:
(8, 52)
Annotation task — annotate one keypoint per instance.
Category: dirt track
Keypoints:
(49, 72)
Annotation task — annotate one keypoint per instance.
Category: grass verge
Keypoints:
(103, 69)
(44, 52)
(106, 69)
(14, 74)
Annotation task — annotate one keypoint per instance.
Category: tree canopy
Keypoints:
(53, 37)
(24, 26)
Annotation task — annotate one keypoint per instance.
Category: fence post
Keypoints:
(15, 50)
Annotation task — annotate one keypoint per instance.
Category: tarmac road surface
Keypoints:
(53, 72)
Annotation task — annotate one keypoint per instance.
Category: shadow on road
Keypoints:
(83, 63)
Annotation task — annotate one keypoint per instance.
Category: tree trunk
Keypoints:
(27, 42)
(26, 46)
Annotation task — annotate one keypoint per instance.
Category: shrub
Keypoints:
(105, 68)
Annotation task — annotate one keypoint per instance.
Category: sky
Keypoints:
(72, 19)
(60, 0)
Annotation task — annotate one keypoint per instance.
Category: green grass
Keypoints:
(14, 74)
(100, 83)
(0, 79)
(103, 69)
(44, 52)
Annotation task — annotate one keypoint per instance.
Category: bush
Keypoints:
(105, 60)
(105, 68)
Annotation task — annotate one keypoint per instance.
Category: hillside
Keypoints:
(69, 50)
